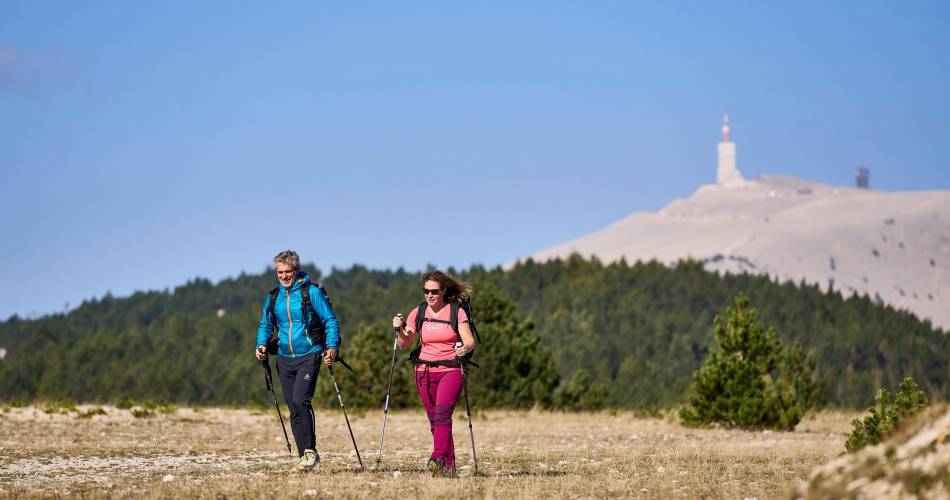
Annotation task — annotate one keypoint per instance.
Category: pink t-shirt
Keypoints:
(438, 339)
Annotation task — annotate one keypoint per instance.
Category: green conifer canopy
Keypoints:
(751, 380)
(638, 331)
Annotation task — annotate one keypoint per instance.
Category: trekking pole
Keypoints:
(468, 409)
(340, 398)
(269, 381)
(392, 366)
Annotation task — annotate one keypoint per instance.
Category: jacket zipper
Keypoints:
(290, 331)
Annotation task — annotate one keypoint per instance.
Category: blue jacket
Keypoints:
(290, 319)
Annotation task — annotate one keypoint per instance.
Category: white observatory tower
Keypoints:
(726, 172)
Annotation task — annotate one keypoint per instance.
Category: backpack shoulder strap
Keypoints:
(270, 306)
(454, 318)
(305, 296)
(466, 306)
(306, 307)
(420, 317)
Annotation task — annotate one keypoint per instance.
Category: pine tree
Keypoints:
(884, 417)
(752, 380)
(518, 368)
(579, 393)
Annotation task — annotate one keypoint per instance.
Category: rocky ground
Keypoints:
(915, 463)
(194, 452)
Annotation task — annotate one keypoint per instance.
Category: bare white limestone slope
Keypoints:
(894, 247)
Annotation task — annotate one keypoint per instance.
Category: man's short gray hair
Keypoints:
(288, 257)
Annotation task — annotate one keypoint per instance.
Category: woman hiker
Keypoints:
(438, 374)
(307, 330)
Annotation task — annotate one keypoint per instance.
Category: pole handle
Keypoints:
(397, 328)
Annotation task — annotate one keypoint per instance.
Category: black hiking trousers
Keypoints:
(298, 378)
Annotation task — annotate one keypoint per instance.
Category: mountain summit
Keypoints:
(894, 247)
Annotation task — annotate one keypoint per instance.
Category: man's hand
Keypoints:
(261, 352)
(329, 356)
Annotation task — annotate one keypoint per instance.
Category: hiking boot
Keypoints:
(308, 460)
(435, 467)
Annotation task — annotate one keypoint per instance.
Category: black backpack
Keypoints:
(315, 329)
(465, 305)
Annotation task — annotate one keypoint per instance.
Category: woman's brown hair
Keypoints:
(456, 290)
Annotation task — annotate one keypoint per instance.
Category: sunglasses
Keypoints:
(426, 291)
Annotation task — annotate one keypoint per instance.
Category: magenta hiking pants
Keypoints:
(439, 392)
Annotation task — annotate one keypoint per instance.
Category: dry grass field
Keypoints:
(216, 453)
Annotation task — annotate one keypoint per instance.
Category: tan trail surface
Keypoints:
(212, 453)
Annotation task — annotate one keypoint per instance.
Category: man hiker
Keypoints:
(299, 312)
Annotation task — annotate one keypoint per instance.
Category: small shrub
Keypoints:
(91, 412)
(20, 402)
(125, 404)
(160, 406)
(142, 412)
(884, 417)
(166, 407)
(62, 406)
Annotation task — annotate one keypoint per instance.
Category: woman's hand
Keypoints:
(461, 350)
(261, 353)
(404, 336)
(399, 322)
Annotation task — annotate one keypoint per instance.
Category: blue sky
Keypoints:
(141, 146)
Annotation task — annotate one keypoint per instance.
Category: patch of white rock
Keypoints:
(893, 247)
